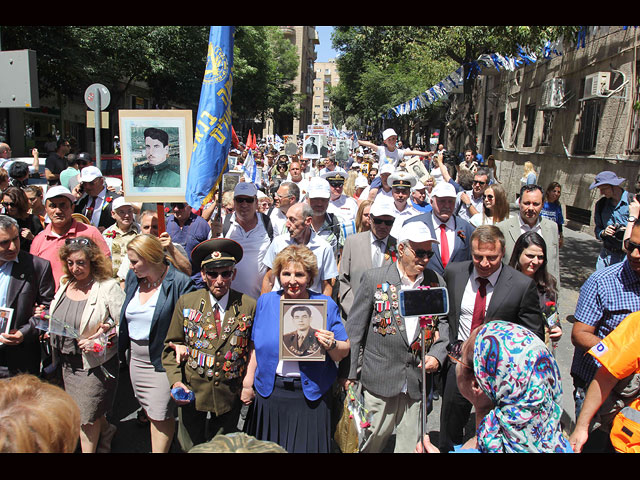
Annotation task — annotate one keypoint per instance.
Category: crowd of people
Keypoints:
(256, 312)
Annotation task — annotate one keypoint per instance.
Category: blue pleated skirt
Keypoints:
(287, 418)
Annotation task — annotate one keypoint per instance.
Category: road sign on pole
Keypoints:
(97, 98)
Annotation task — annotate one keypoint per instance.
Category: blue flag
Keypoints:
(212, 132)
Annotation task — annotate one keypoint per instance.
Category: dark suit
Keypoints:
(31, 284)
(515, 299)
(309, 346)
(461, 246)
(216, 387)
(106, 220)
(388, 359)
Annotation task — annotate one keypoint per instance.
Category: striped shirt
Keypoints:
(607, 297)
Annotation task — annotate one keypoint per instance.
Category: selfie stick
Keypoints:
(424, 322)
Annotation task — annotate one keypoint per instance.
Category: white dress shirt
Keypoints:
(469, 299)
(450, 229)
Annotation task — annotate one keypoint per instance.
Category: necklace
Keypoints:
(151, 285)
(85, 286)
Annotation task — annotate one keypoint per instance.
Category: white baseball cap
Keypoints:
(90, 173)
(389, 132)
(443, 189)
(319, 188)
(418, 186)
(387, 168)
(246, 189)
(382, 206)
(120, 202)
(361, 182)
(59, 191)
(415, 232)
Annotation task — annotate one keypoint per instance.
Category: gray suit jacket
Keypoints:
(514, 299)
(388, 360)
(355, 261)
(511, 230)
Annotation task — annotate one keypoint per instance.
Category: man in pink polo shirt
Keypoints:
(59, 203)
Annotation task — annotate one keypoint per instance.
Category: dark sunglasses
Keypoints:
(479, 182)
(454, 352)
(336, 184)
(244, 199)
(213, 275)
(8, 204)
(178, 205)
(379, 221)
(630, 246)
(423, 253)
(77, 241)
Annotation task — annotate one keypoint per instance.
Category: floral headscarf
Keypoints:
(519, 374)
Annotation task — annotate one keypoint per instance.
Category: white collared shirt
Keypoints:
(450, 229)
(97, 208)
(410, 323)
(222, 303)
(526, 228)
(373, 239)
(469, 299)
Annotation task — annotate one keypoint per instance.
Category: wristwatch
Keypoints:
(632, 219)
(333, 345)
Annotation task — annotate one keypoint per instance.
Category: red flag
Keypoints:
(248, 144)
(254, 145)
(234, 138)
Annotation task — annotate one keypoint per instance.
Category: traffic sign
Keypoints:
(97, 97)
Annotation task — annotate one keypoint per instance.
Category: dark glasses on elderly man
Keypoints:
(379, 221)
(244, 199)
(422, 253)
(454, 352)
(213, 275)
(630, 246)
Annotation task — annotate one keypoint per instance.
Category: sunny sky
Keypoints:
(324, 50)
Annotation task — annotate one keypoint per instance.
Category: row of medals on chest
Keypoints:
(386, 309)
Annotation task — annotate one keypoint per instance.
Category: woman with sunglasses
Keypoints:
(530, 257)
(89, 300)
(152, 288)
(293, 398)
(496, 207)
(16, 205)
(514, 384)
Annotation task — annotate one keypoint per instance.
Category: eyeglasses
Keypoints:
(379, 221)
(337, 184)
(479, 182)
(454, 352)
(8, 204)
(213, 275)
(422, 253)
(244, 199)
(630, 246)
(77, 241)
(178, 205)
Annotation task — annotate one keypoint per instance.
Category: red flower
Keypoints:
(461, 235)
(550, 304)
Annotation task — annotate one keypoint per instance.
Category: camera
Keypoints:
(619, 231)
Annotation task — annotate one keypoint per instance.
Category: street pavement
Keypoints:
(577, 262)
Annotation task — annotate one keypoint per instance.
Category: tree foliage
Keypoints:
(170, 59)
(383, 66)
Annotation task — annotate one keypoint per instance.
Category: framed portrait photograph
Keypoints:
(311, 146)
(343, 148)
(156, 150)
(6, 315)
(416, 168)
(299, 320)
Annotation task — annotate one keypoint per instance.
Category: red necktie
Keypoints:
(444, 245)
(480, 303)
(91, 207)
(216, 317)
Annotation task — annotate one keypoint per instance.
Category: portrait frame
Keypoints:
(178, 124)
(318, 320)
(343, 150)
(311, 139)
(6, 316)
(413, 165)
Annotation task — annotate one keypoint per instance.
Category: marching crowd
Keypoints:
(213, 311)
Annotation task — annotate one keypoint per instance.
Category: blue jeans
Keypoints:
(609, 257)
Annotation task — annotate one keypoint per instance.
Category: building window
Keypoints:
(547, 122)
(589, 122)
(530, 119)
(514, 125)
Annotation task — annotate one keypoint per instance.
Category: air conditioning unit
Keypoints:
(553, 95)
(596, 85)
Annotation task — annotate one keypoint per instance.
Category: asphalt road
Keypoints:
(577, 262)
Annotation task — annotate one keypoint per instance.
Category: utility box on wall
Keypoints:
(19, 79)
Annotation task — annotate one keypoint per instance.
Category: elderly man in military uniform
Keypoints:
(302, 342)
(207, 346)
(156, 170)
